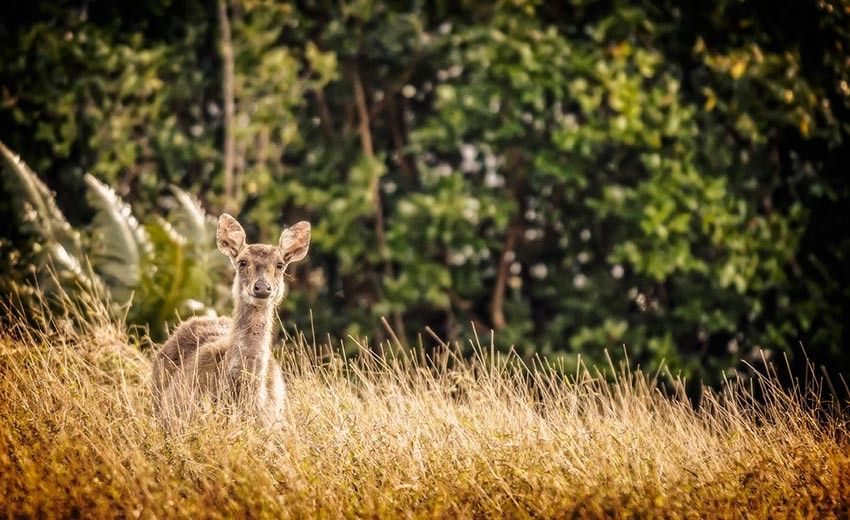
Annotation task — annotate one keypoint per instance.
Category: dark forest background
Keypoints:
(577, 175)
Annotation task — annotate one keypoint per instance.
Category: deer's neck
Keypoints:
(251, 333)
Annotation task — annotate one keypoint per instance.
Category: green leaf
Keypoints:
(117, 241)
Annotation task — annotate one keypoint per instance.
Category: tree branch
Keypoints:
(497, 315)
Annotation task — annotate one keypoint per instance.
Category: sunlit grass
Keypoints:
(408, 436)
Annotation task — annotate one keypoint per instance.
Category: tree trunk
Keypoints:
(497, 315)
(230, 184)
(369, 150)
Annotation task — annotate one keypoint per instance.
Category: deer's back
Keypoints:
(182, 345)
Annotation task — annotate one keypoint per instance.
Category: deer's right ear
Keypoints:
(230, 237)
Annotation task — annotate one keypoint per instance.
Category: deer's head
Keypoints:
(260, 267)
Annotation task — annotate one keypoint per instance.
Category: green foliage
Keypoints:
(161, 270)
(184, 269)
(580, 175)
(57, 256)
(118, 242)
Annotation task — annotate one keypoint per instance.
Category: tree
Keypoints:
(576, 175)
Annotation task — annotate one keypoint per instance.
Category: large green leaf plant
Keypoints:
(154, 273)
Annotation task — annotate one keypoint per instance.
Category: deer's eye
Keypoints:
(280, 266)
(243, 263)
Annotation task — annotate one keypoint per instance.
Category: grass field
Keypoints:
(408, 438)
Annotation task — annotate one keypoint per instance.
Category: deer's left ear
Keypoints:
(295, 241)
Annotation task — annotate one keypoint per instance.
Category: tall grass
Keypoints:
(406, 436)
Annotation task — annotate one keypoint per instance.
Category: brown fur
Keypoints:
(182, 344)
(232, 357)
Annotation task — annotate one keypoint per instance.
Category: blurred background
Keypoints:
(575, 175)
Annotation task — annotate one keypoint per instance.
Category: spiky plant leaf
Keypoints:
(198, 227)
(55, 256)
(175, 285)
(119, 244)
(189, 218)
(35, 205)
(161, 291)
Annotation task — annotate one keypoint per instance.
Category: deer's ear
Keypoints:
(229, 237)
(295, 241)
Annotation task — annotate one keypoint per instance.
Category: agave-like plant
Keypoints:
(55, 255)
(119, 247)
(161, 270)
(184, 268)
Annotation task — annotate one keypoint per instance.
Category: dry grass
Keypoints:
(411, 437)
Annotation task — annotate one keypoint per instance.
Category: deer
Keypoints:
(230, 357)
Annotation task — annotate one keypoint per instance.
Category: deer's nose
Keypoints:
(262, 289)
